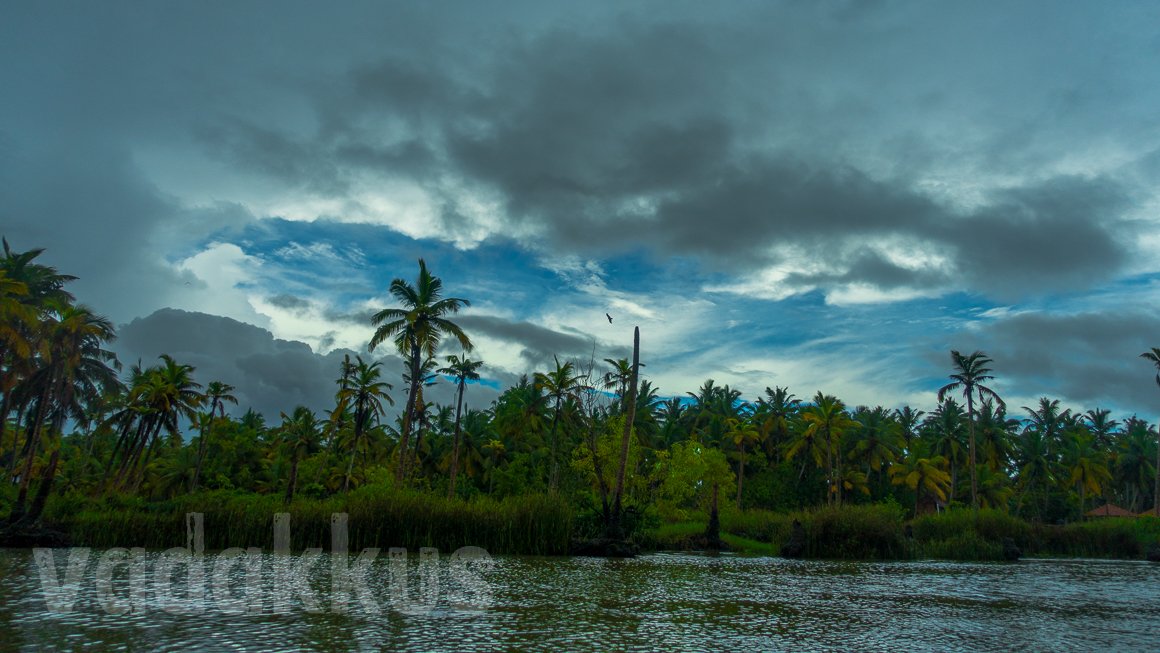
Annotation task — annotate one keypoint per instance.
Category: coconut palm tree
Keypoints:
(363, 394)
(558, 385)
(743, 433)
(417, 328)
(908, 421)
(618, 377)
(301, 433)
(217, 393)
(827, 424)
(944, 429)
(1134, 470)
(165, 394)
(1101, 426)
(1086, 467)
(876, 439)
(75, 370)
(923, 473)
(773, 413)
(971, 373)
(462, 370)
(1154, 356)
(33, 291)
(994, 435)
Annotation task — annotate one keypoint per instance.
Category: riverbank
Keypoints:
(544, 525)
(880, 532)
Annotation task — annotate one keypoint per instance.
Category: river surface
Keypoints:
(662, 602)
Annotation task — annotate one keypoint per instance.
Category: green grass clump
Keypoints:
(858, 532)
(756, 524)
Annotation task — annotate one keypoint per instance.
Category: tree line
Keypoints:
(73, 421)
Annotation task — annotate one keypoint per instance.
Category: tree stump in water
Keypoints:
(796, 546)
(1011, 550)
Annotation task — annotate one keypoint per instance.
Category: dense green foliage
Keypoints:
(117, 456)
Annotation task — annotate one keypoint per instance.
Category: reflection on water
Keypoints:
(656, 602)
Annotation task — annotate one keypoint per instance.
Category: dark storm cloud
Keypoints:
(1063, 233)
(98, 219)
(1090, 359)
(294, 161)
(290, 302)
(271, 375)
(539, 343)
(656, 135)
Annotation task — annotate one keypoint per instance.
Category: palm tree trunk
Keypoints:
(293, 477)
(455, 445)
(408, 414)
(553, 465)
(350, 465)
(1156, 490)
(21, 411)
(32, 443)
(617, 497)
(971, 452)
(45, 488)
(201, 447)
(5, 408)
(740, 475)
(829, 469)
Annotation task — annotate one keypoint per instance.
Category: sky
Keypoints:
(819, 195)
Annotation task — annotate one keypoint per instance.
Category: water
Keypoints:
(653, 603)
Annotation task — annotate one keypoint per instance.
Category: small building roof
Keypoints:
(1110, 510)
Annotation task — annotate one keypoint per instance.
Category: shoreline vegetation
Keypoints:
(584, 457)
(543, 525)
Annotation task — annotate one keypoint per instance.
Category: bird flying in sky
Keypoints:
(609, 318)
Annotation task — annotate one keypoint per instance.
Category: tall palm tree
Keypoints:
(971, 372)
(1154, 356)
(1085, 465)
(743, 433)
(363, 394)
(773, 413)
(218, 394)
(558, 385)
(827, 424)
(167, 394)
(34, 291)
(618, 377)
(462, 370)
(1134, 470)
(995, 431)
(908, 420)
(417, 329)
(876, 440)
(301, 433)
(76, 370)
(944, 429)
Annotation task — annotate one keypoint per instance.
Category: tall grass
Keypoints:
(378, 517)
(959, 535)
(861, 532)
